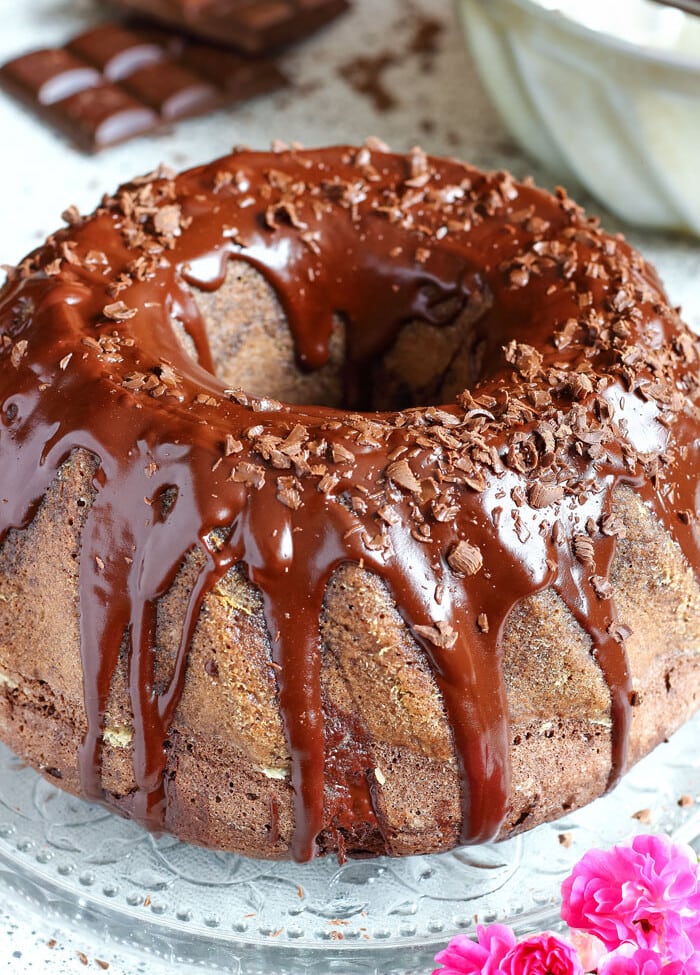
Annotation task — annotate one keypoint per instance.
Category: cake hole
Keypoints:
(422, 364)
(524, 815)
(164, 502)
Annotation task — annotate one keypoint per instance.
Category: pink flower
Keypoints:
(631, 960)
(463, 956)
(496, 953)
(646, 892)
(542, 954)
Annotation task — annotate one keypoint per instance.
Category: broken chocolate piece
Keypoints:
(111, 84)
(253, 26)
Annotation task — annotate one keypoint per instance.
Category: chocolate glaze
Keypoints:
(589, 381)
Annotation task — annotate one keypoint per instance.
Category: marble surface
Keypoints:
(435, 100)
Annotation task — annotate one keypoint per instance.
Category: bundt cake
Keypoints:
(348, 504)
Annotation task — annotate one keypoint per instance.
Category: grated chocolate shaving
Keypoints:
(543, 494)
(465, 558)
(400, 473)
(441, 634)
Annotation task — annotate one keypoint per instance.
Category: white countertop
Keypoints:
(438, 103)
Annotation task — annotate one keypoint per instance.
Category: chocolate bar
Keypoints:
(111, 84)
(252, 26)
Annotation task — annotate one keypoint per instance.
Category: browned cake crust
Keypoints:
(595, 671)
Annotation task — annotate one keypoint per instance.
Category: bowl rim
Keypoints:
(661, 56)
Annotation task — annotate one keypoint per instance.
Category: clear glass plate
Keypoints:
(226, 912)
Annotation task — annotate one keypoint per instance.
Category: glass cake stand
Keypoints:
(217, 911)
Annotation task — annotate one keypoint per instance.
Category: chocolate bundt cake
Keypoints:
(348, 504)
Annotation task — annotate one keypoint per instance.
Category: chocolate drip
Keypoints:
(598, 618)
(585, 380)
(293, 598)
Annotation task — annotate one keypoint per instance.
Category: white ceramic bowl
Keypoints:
(604, 92)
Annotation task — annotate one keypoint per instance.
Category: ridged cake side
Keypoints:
(227, 771)
(228, 764)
